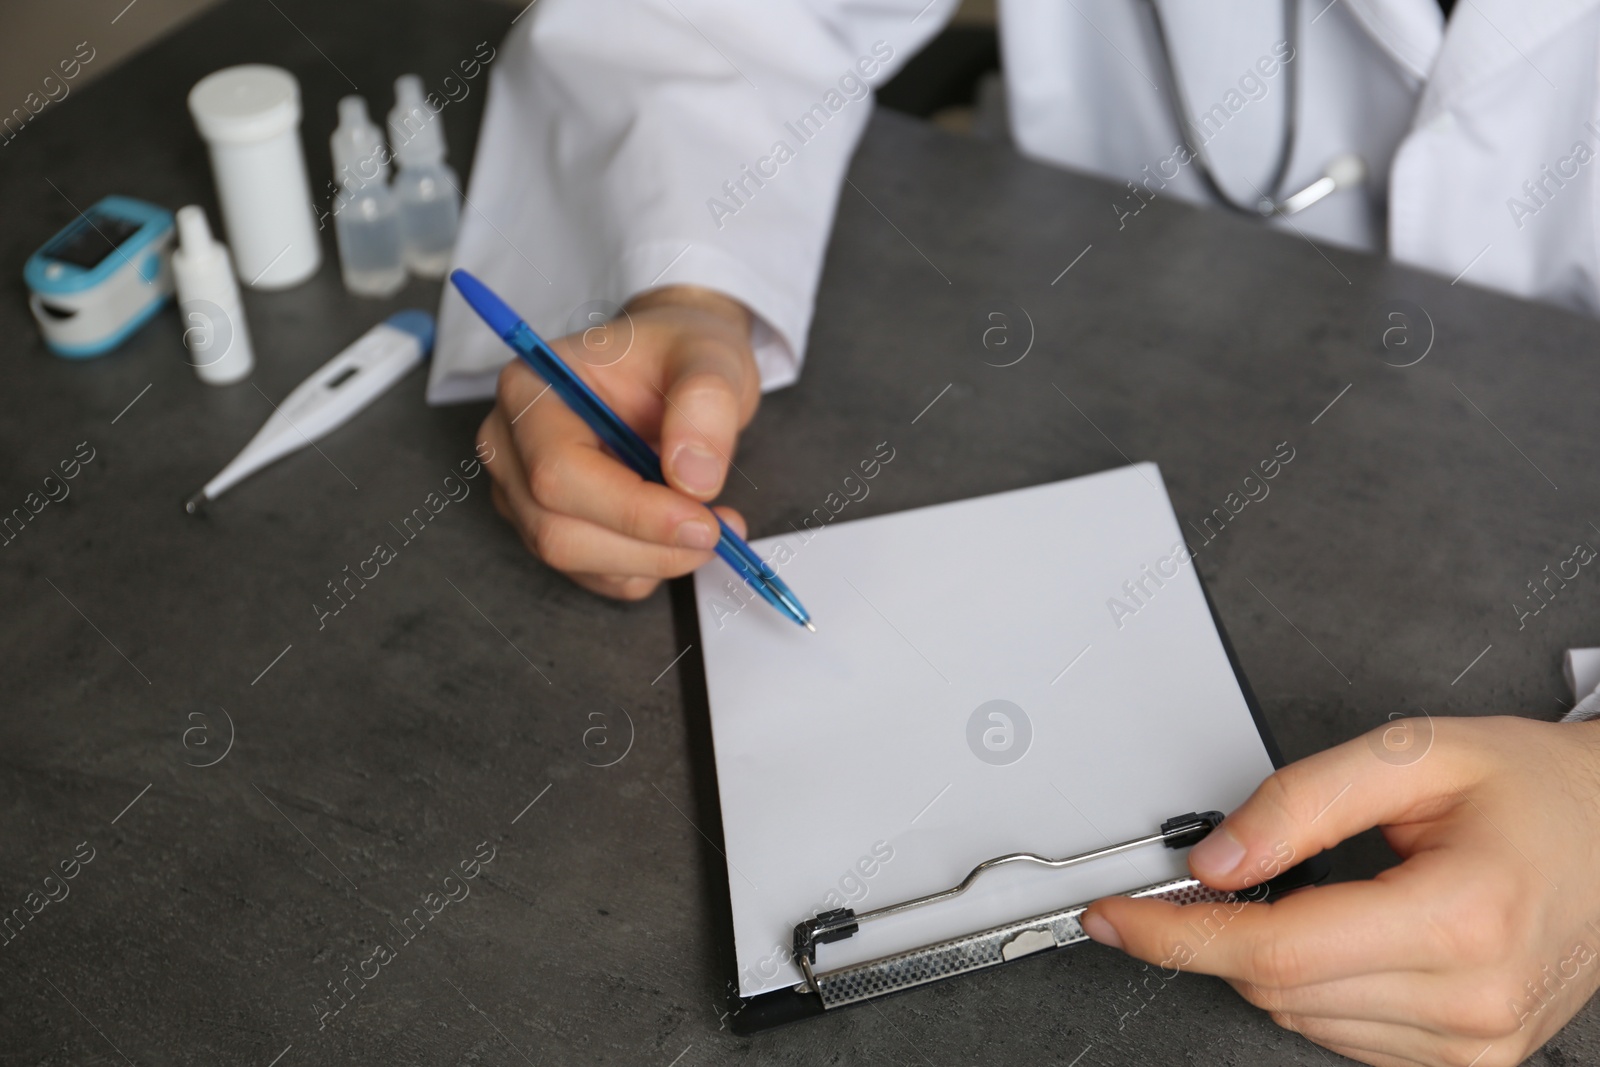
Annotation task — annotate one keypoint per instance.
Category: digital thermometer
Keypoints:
(102, 277)
(330, 397)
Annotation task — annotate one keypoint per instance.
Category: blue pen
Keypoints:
(618, 435)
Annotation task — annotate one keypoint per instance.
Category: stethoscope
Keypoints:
(1342, 172)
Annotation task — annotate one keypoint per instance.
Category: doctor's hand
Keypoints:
(1474, 950)
(678, 368)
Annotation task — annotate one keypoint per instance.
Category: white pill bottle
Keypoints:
(250, 118)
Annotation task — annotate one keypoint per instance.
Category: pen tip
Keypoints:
(810, 627)
(192, 505)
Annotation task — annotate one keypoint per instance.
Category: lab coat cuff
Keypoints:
(776, 362)
(775, 357)
(779, 319)
(1581, 666)
(468, 358)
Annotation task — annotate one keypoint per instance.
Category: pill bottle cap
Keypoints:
(245, 104)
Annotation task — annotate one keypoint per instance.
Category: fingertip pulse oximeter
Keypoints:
(102, 277)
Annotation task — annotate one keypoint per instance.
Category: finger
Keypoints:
(622, 587)
(494, 440)
(599, 560)
(570, 475)
(1403, 1042)
(581, 547)
(507, 480)
(1313, 804)
(509, 492)
(616, 586)
(1377, 1059)
(734, 520)
(517, 390)
(1446, 1006)
(578, 546)
(1329, 933)
(707, 392)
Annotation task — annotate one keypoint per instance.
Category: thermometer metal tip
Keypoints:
(813, 629)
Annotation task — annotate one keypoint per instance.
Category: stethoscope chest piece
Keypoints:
(1345, 171)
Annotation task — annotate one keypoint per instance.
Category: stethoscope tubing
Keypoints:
(1268, 203)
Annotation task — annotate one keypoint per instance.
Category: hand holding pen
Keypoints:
(688, 384)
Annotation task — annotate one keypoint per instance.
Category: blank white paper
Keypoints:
(847, 770)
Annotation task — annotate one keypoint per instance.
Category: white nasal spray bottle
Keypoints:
(214, 328)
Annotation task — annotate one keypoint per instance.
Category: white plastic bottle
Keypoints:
(429, 193)
(214, 328)
(250, 119)
(366, 215)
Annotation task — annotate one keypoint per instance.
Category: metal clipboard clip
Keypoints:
(985, 948)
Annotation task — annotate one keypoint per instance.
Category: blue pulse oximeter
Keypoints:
(102, 277)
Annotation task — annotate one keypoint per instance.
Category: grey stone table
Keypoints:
(266, 798)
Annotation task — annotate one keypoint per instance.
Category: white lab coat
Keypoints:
(629, 144)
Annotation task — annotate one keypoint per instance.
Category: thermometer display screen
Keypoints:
(94, 237)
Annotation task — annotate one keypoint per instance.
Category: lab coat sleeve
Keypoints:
(632, 144)
(1581, 666)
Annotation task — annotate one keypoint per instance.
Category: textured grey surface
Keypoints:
(379, 751)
